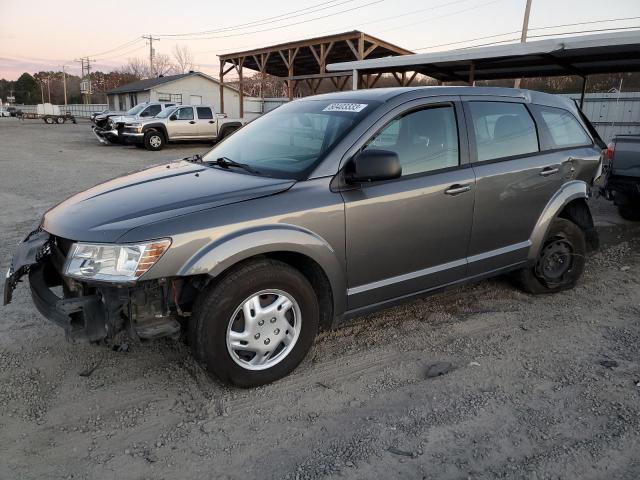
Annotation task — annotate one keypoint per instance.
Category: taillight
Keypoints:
(610, 150)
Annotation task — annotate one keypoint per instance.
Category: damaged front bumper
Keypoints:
(106, 136)
(86, 311)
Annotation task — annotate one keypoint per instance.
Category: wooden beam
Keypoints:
(397, 77)
(361, 47)
(286, 63)
(411, 78)
(315, 54)
(369, 50)
(353, 48)
(375, 80)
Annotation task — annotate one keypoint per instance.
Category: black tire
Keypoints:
(154, 140)
(48, 120)
(60, 120)
(560, 262)
(630, 211)
(213, 313)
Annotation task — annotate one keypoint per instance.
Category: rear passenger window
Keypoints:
(502, 130)
(424, 140)
(204, 113)
(563, 128)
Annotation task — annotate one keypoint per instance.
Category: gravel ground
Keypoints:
(535, 387)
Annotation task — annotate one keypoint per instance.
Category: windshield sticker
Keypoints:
(345, 107)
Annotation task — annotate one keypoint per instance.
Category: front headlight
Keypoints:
(113, 263)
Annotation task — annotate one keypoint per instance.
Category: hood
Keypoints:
(107, 211)
(124, 118)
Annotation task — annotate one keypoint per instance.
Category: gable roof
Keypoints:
(149, 83)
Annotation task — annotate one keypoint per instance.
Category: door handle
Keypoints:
(457, 189)
(546, 171)
(192, 122)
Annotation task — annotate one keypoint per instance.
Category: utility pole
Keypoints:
(49, 89)
(151, 53)
(42, 90)
(525, 30)
(64, 84)
(89, 77)
(81, 62)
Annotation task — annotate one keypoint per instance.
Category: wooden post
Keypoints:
(240, 86)
(583, 91)
(222, 62)
(354, 80)
(472, 73)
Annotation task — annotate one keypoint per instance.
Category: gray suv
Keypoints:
(327, 208)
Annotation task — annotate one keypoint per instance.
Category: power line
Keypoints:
(547, 27)
(119, 47)
(287, 25)
(266, 21)
(441, 16)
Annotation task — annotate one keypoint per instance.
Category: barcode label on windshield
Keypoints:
(345, 107)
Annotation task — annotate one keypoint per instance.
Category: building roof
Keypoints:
(149, 83)
(339, 47)
(582, 55)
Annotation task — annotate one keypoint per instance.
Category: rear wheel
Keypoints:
(48, 120)
(630, 211)
(560, 262)
(153, 140)
(60, 120)
(255, 325)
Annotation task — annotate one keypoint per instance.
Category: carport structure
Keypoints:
(581, 56)
(306, 60)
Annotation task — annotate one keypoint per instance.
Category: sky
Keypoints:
(43, 35)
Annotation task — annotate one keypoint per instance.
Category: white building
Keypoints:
(193, 88)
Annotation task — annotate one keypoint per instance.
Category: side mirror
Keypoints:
(173, 117)
(373, 166)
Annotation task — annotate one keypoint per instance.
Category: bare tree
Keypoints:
(136, 67)
(162, 65)
(183, 59)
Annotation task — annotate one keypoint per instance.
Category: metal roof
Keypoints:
(582, 55)
(308, 50)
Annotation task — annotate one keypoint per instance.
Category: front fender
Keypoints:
(229, 250)
(567, 193)
(156, 126)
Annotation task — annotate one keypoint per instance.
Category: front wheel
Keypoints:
(255, 325)
(153, 140)
(560, 262)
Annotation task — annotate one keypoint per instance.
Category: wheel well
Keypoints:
(310, 269)
(317, 278)
(577, 211)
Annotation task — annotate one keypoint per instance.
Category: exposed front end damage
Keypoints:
(88, 311)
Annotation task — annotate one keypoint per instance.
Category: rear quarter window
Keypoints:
(561, 128)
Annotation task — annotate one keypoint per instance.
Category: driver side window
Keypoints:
(185, 113)
(424, 140)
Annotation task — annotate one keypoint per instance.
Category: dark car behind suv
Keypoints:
(324, 209)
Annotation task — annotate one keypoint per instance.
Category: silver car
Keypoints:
(327, 208)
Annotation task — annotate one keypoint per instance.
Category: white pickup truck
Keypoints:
(180, 123)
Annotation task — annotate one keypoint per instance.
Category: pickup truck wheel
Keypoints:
(60, 120)
(560, 262)
(630, 211)
(256, 324)
(48, 120)
(153, 140)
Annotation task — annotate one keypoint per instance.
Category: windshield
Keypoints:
(137, 109)
(292, 139)
(166, 112)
